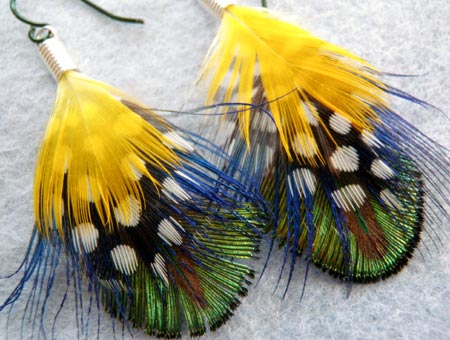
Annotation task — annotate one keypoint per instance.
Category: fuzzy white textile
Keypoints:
(158, 64)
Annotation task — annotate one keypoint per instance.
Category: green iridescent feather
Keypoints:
(161, 309)
(359, 212)
(401, 228)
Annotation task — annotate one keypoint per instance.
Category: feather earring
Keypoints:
(157, 231)
(349, 181)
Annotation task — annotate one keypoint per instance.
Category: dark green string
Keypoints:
(113, 16)
(264, 3)
(35, 37)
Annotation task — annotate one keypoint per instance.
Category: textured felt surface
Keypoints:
(158, 64)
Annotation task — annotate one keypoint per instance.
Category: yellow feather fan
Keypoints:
(104, 144)
(294, 66)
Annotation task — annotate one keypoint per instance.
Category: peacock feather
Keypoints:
(133, 210)
(347, 178)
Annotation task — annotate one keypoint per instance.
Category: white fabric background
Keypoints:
(158, 64)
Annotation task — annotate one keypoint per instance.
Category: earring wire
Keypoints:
(34, 25)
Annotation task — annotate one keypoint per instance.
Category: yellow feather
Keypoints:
(99, 145)
(294, 67)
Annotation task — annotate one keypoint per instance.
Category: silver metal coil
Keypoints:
(54, 54)
(217, 7)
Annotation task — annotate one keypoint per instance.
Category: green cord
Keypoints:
(113, 16)
(264, 3)
(12, 6)
(39, 39)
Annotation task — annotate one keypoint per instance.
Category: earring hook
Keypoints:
(112, 15)
(39, 39)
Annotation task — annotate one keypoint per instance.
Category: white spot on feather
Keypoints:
(173, 190)
(370, 140)
(128, 212)
(340, 124)
(176, 139)
(304, 145)
(270, 153)
(380, 169)
(255, 91)
(113, 284)
(185, 176)
(390, 199)
(85, 237)
(310, 115)
(345, 159)
(231, 145)
(303, 179)
(159, 267)
(137, 174)
(349, 197)
(264, 123)
(86, 186)
(136, 170)
(168, 231)
(125, 259)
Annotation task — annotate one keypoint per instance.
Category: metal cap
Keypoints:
(217, 7)
(54, 54)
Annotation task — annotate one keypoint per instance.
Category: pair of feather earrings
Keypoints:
(156, 228)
